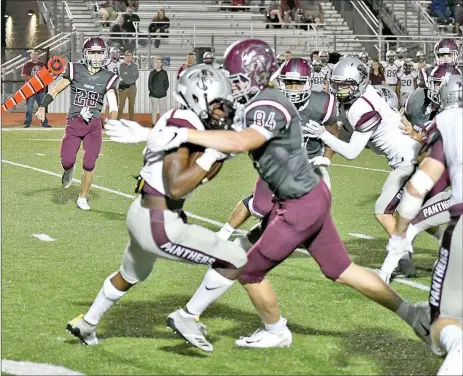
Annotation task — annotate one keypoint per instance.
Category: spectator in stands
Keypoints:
(107, 12)
(458, 16)
(128, 72)
(312, 9)
(129, 20)
(274, 15)
(290, 9)
(158, 84)
(134, 4)
(115, 33)
(160, 24)
(190, 61)
(377, 73)
(237, 4)
(29, 70)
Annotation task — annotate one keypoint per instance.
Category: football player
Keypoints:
(89, 84)
(373, 122)
(272, 135)
(365, 58)
(406, 81)
(295, 82)
(156, 222)
(208, 59)
(327, 68)
(390, 69)
(445, 299)
(401, 56)
(421, 61)
(319, 77)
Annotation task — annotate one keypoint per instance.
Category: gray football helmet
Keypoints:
(402, 52)
(451, 92)
(204, 89)
(317, 65)
(420, 56)
(364, 57)
(349, 79)
(391, 56)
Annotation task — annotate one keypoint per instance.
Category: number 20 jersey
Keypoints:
(88, 90)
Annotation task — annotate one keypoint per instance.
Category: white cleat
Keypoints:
(190, 328)
(81, 329)
(82, 203)
(66, 179)
(263, 338)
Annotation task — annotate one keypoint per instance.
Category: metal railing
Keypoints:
(369, 18)
(69, 15)
(46, 15)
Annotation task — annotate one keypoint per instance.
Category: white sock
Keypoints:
(405, 312)
(212, 288)
(107, 296)
(225, 232)
(451, 340)
(277, 327)
(412, 231)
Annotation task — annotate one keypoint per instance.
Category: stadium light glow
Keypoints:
(6, 15)
(30, 13)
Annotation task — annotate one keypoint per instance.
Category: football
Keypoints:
(212, 172)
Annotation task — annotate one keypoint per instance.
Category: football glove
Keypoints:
(86, 114)
(167, 138)
(126, 131)
(320, 161)
(313, 130)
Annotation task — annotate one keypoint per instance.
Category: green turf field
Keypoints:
(45, 284)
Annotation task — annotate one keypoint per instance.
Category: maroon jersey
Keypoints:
(31, 69)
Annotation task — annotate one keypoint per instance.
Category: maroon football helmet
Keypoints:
(250, 63)
(295, 80)
(436, 77)
(446, 51)
(95, 52)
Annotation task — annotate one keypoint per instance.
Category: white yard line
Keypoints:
(198, 217)
(52, 139)
(35, 129)
(360, 168)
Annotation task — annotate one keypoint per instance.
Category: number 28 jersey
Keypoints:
(88, 90)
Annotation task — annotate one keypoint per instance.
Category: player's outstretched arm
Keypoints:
(227, 141)
(51, 95)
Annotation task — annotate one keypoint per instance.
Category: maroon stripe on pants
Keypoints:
(434, 209)
(304, 220)
(163, 242)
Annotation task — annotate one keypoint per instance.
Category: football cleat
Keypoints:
(81, 329)
(263, 338)
(405, 269)
(82, 203)
(66, 180)
(190, 328)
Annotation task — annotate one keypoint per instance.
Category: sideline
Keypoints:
(407, 282)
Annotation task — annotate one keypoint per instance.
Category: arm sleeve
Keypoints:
(166, 82)
(150, 82)
(349, 150)
(267, 117)
(69, 72)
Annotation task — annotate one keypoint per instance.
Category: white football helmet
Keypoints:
(349, 79)
(202, 89)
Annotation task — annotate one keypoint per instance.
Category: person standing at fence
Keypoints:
(158, 84)
(128, 85)
(29, 70)
(190, 61)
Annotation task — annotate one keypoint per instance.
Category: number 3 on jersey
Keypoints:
(262, 120)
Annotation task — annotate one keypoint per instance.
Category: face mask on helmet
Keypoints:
(323, 58)
(297, 90)
(345, 91)
(420, 57)
(401, 53)
(220, 114)
(408, 67)
(447, 57)
(96, 58)
(317, 66)
(364, 57)
(115, 55)
(391, 56)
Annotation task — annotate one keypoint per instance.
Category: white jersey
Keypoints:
(407, 81)
(318, 80)
(387, 139)
(448, 123)
(113, 66)
(327, 69)
(152, 170)
(390, 72)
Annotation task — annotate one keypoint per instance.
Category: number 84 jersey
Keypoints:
(88, 90)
